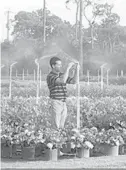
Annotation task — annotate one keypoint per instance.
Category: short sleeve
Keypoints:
(51, 79)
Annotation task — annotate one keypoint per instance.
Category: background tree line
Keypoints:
(103, 41)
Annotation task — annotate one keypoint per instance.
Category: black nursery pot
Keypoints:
(6, 151)
(28, 153)
(66, 147)
(122, 149)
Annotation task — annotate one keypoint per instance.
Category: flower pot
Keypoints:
(110, 150)
(66, 148)
(92, 152)
(6, 151)
(28, 153)
(52, 154)
(39, 148)
(83, 152)
(16, 151)
(122, 149)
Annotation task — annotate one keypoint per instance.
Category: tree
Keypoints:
(109, 38)
(28, 35)
(77, 2)
(98, 13)
(109, 30)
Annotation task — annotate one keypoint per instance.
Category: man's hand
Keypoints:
(78, 66)
(70, 65)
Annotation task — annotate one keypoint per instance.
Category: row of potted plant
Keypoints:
(29, 136)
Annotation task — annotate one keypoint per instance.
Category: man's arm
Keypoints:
(64, 77)
(74, 79)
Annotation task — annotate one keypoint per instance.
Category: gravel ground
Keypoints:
(92, 162)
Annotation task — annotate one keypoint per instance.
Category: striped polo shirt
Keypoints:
(58, 91)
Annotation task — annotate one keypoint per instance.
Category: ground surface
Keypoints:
(92, 162)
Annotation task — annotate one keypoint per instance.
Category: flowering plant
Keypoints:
(54, 138)
(30, 136)
(9, 133)
(83, 138)
(111, 137)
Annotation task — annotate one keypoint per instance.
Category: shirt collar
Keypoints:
(52, 72)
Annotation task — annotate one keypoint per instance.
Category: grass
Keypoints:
(75, 163)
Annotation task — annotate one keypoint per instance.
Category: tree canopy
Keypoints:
(103, 41)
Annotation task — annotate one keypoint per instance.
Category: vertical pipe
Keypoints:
(27, 74)
(77, 9)
(107, 77)
(88, 77)
(23, 74)
(98, 77)
(44, 21)
(121, 73)
(10, 82)
(8, 25)
(81, 37)
(37, 91)
(34, 75)
(40, 78)
(101, 78)
(78, 98)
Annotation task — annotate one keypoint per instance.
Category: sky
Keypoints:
(57, 7)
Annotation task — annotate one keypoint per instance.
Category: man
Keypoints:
(56, 82)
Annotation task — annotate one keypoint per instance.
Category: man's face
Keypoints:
(57, 67)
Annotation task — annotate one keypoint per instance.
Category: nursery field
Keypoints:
(103, 121)
(98, 107)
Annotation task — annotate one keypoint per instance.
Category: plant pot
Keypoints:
(83, 152)
(122, 149)
(40, 147)
(28, 153)
(16, 151)
(66, 148)
(6, 151)
(92, 152)
(110, 150)
(52, 154)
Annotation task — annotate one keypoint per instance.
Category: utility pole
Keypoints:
(44, 21)
(8, 24)
(81, 38)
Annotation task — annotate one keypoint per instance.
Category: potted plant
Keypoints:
(82, 140)
(122, 148)
(40, 142)
(66, 145)
(109, 141)
(54, 141)
(28, 145)
(6, 140)
(28, 141)
(6, 146)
